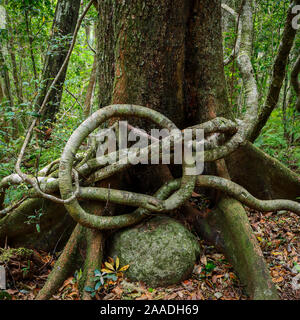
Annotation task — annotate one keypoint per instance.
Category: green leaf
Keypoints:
(33, 114)
(95, 279)
(112, 277)
(297, 267)
(88, 289)
(5, 295)
(210, 266)
(97, 273)
(109, 266)
(98, 285)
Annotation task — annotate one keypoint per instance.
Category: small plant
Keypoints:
(209, 267)
(35, 219)
(5, 295)
(114, 267)
(25, 270)
(296, 267)
(77, 276)
(111, 272)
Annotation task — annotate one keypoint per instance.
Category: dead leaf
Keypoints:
(277, 280)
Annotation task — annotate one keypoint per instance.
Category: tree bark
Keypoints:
(163, 57)
(64, 23)
(262, 175)
(15, 73)
(141, 54)
(30, 38)
(90, 90)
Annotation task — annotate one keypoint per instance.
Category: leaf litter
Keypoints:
(213, 277)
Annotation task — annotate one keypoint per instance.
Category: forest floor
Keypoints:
(213, 277)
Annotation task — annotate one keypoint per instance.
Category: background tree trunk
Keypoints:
(64, 23)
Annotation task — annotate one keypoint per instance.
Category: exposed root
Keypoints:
(243, 251)
(63, 267)
(89, 125)
(238, 242)
(94, 256)
(241, 194)
(262, 175)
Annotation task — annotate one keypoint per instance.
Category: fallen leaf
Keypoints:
(276, 280)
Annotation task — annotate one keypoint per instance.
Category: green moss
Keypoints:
(19, 253)
(160, 251)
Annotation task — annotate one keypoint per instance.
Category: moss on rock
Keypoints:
(160, 251)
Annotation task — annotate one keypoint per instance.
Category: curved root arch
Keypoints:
(153, 204)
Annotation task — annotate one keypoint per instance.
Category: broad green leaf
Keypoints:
(98, 285)
(97, 272)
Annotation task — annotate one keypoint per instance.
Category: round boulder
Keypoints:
(160, 251)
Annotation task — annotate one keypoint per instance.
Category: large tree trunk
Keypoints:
(141, 54)
(169, 57)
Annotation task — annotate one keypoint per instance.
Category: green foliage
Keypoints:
(110, 273)
(210, 266)
(100, 279)
(281, 136)
(274, 141)
(5, 295)
(26, 269)
(77, 276)
(35, 219)
(40, 151)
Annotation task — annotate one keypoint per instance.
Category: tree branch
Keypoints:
(237, 44)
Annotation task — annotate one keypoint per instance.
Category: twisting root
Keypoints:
(241, 194)
(88, 126)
